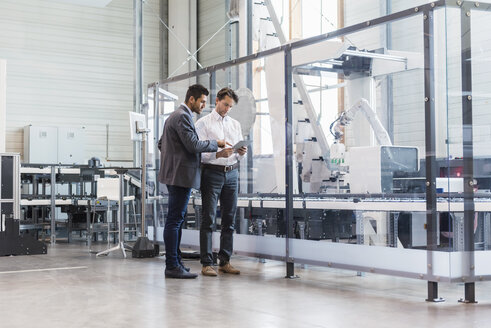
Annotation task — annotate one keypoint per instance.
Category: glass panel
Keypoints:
(481, 127)
(358, 114)
(450, 171)
(356, 11)
(361, 96)
(264, 206)
(261, 116)
(303, 19)
(359, 179)
(170, 96)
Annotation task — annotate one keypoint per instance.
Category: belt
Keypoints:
(220, 168)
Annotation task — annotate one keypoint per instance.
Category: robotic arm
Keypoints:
(347, 116)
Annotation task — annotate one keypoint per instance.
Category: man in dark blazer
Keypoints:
(180, 160)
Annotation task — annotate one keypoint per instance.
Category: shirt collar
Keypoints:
(189, 110)
(217, 116)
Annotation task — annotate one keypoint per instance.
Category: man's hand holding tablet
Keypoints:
(241, 147)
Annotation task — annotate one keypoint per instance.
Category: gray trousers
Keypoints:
(218, 186)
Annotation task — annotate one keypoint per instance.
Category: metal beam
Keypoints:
(53, 205)
(313, 40)
(288, 160)
(138, 68)
(467, 144)
(430, 142)
(302, 90)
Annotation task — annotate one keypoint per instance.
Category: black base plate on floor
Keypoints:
(144, 248)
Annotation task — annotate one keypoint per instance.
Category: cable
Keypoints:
(327, 20)
(332, 124)
(172, 32)
(192, 56)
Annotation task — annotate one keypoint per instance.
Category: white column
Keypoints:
(243, 41)
(3, 103)
(183, 24)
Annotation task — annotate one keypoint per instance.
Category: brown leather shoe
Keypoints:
(208, 271)
(228, 268)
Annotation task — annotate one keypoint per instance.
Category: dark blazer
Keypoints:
(180, 150)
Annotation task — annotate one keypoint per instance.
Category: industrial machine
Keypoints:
(12, 242)
(61, 199)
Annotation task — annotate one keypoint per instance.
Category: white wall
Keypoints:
(212, 16)
(182, 22)
(72, 65)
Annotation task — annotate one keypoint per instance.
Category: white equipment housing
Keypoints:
(372, 168)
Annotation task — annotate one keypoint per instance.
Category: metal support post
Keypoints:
(433, 292)
(138, 64)
(290, 273)
(395, 230)
(213, 89)
(467, 144)
(88, 238)
(360, 232)
(138, 53)
(143, 247)
(53, 205)
(487, 231)
(121, 245)
(430, 124)
(249, 44)
(143, 182)
(469, 292)
(389, 83)
(249, 85)
(156, 114)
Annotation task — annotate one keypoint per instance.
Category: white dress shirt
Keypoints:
(215, 127)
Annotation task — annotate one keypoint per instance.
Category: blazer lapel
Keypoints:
(186, 112)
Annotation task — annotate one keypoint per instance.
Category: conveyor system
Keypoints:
(356, 218)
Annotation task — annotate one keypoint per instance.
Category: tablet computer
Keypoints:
(242, 143)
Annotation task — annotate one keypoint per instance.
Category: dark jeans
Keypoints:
(178, 203)
(217, 185)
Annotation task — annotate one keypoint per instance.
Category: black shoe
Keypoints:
(179, 273)
(185, 268)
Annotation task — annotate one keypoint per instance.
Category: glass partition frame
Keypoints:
(431, 264)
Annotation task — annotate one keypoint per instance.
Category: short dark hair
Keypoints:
(227, 92)
(196, 90)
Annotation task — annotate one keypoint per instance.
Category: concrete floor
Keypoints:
(70, 288)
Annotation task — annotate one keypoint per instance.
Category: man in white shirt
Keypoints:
(219, 181)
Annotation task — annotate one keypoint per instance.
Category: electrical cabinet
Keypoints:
(40, 144)
(71, 145)
(53, 145)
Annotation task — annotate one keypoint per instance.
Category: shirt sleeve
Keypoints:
(190, 138)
